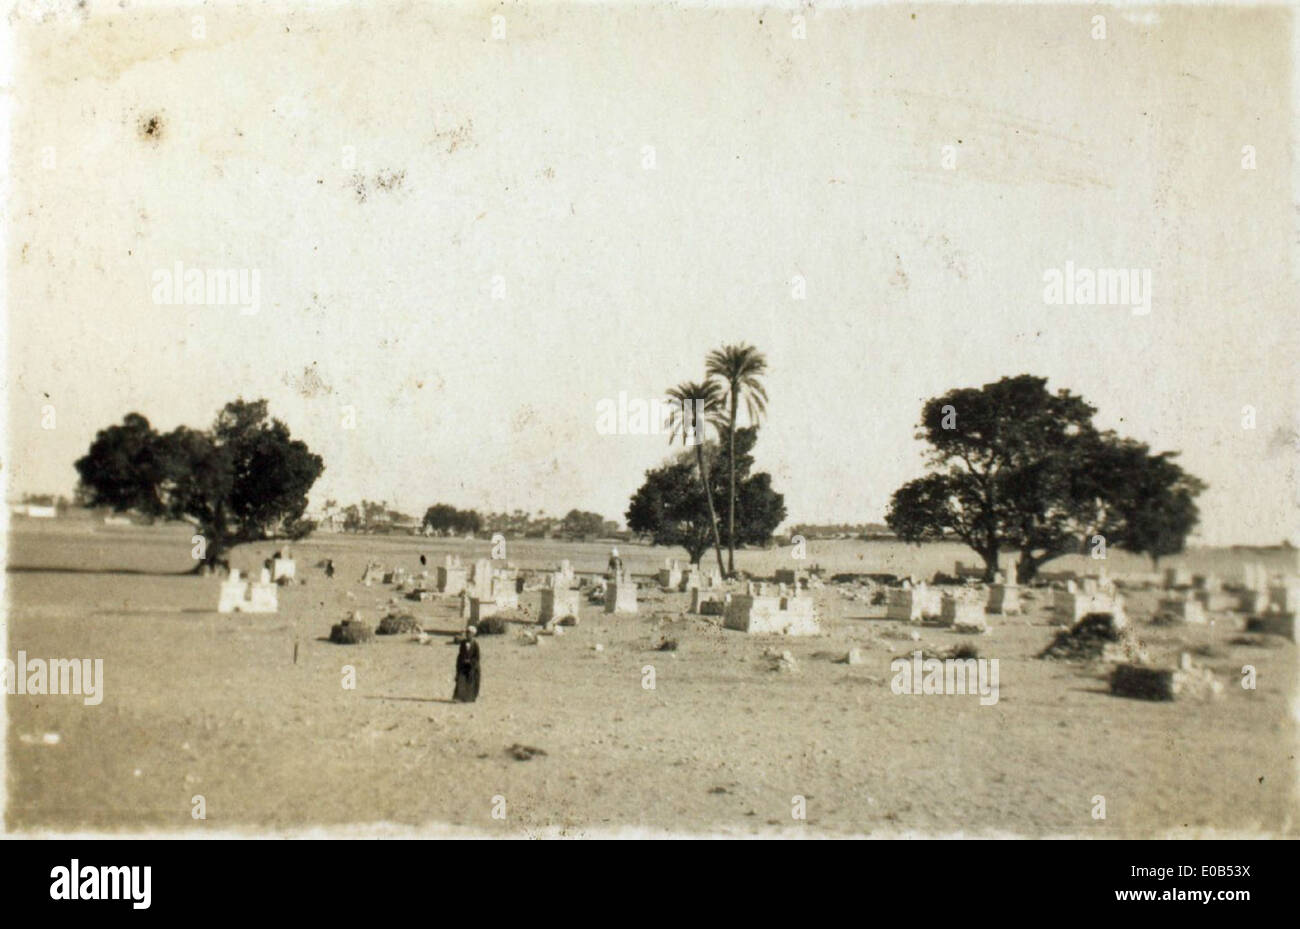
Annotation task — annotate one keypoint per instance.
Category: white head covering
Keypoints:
(613, 552)
(471, 630)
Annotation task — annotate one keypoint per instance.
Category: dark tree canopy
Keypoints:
(246, 479)
(1152, 502)
(580, 524)
(1016, 467)
(672, 508)
(445, 518)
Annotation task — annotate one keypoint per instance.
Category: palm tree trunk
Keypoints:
(731, 503)
(708, 495)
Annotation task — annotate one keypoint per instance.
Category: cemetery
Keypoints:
(570, 633)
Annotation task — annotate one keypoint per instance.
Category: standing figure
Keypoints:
(329, 567)
(615, 563)
(467, 668)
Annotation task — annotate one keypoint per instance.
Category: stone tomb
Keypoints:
(962, 613)
(620, 594)
(1215, 601)
(704, 578)
(1176, 578)
(1207, 582)
(791, 576)
(240, 596)
(1282, 624)
(1254, 577)
(709, 604)
(1071, 604)
(785, 614)
(283, 567)
(1183, 609)
(1004, 599)
(1284, 595)
(670, 575)
(910, 604)
(559, 603)
(496, 593)
(451, 576)
(1252, 601)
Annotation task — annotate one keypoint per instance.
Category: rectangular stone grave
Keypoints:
(1215, 601)
(958, 611)
(910, 604)
(1282, 624)
(1251, 601)
(558, 604)
(233, 593)
(1284, 596)
(1207, 582)
(1189, 610)
(670, 575)
(709, 604)
(263, 597)
(1071, 605)
(451, 579)
(1176, 578)
(620, 595)
(757, 615)
(1004, 599)
(283, 567)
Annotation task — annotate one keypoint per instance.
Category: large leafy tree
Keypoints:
(1152, 500)
(443, 517)
(740, 368)
(244, 480)
(579, 524)
(695, 406)
(1017, 467)
(672, 506)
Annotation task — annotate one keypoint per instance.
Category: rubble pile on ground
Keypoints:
(1143, 683)
(1097, 637)
(397, 624)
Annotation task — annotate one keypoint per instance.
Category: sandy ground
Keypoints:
(200, 704)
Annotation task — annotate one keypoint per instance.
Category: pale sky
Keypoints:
(524, 157)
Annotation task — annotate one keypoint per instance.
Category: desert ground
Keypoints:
(202, 704)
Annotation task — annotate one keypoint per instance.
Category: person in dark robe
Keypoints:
(422, 561)
(467, 668)
(329, 567)
(615, 563)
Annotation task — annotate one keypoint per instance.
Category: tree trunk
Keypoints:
(731, 490)
(990, 556)
(215, 550)
(708, 496)
(1027, 567)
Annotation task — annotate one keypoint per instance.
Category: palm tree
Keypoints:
(741, 367)
(694, 405)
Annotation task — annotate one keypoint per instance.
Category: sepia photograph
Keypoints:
(644, 420)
